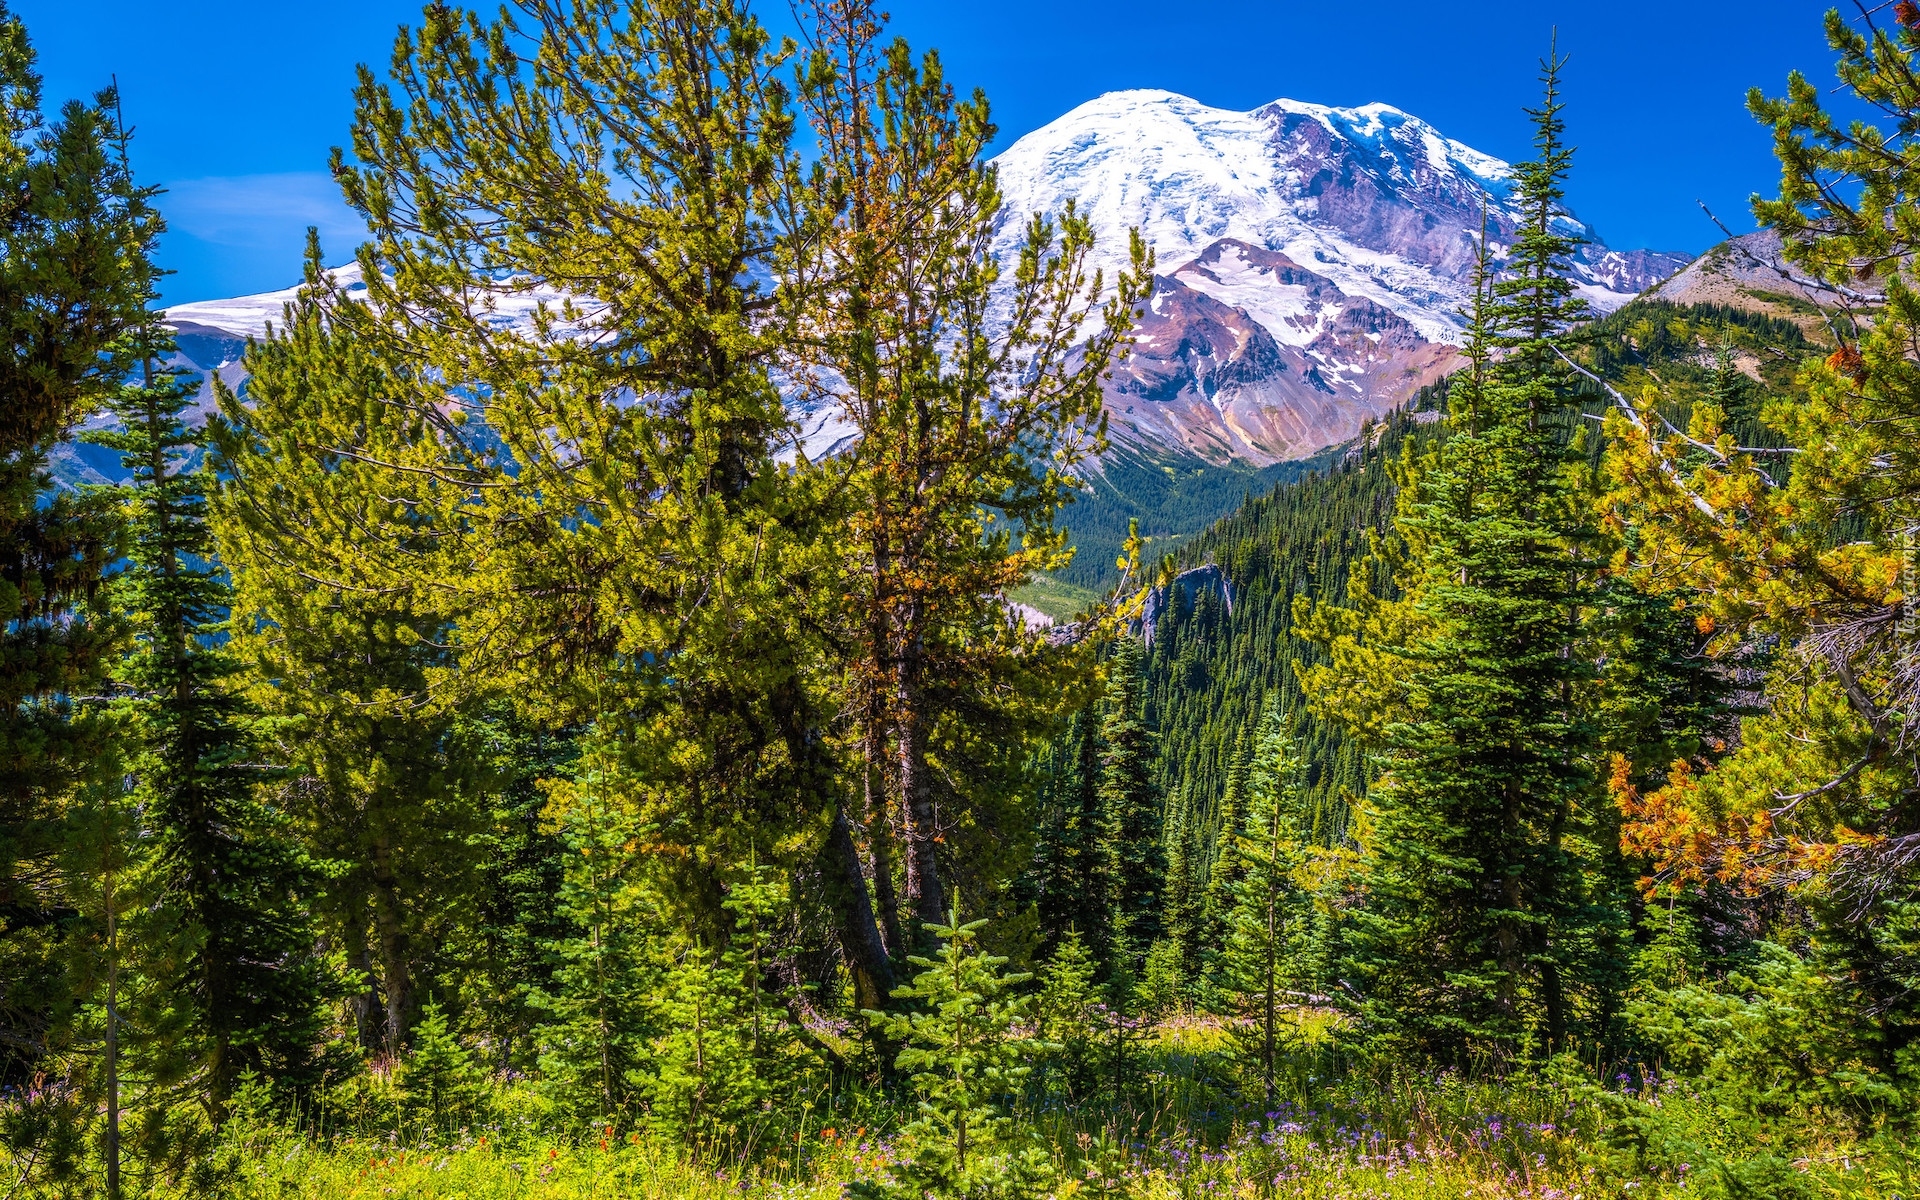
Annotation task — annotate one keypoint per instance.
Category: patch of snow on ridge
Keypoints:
(247, 316)
(1287, 310)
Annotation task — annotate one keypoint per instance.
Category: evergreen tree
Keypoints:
(117, 967)
(652, 568)
(248, 979)
(1068, 1013)
(971, 415)
(599, 1016)
(1225, 868)
(1477, 872)
(1185, 892)
(380, 782)
(1131, 810)
(520, 919)
(1072, 879)
(440, 1086)
(730, 1056)
(1795, 534)
(1269, 924)
(73, 282)
(962, 1044)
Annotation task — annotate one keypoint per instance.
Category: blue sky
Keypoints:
(236, 104)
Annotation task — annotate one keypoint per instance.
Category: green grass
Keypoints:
(1414, 1141)
(1185, 1131)
(1792, 303)
(1057, 598)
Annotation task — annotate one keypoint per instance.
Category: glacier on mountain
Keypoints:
(1374, 199)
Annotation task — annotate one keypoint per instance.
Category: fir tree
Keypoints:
(963, 1047)
(1131, 808)
(730, 1055)
(1268, 926)
(599, 1016)
(1071, 867)
(1225, 868)
(1068, 1015)
(76, 232)
(248, 980)
(520, 919)
(439, 1084)
(1477, 878)
(1185, 895)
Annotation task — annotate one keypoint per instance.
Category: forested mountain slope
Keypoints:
(1208, 673)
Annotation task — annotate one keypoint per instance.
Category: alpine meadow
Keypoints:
(747, 645)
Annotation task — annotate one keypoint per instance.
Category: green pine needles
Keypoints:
(1475, 936)
(516, 737)
(962, 1044)
(730, 1057)
(246, 972)
(1269, 928)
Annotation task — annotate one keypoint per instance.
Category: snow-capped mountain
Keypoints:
(1374, 199)
(1312, 261)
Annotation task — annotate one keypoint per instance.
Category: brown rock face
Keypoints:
(1244, 354)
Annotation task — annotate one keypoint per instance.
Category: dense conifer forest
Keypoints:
(487, 759)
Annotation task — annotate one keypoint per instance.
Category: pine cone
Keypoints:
(1907, 13)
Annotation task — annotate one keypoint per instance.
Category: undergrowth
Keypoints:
(1343, 1130)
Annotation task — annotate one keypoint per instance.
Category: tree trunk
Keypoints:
(113, 1043)
(394, 948)
(880, 838)
(1272, 981)
(1556, 1004)
(360, 963)
(859, 935)
(916, 793)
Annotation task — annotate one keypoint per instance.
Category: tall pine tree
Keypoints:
(71, 225)
(1131, 808)
(247, 981)
(971, 413)
(1072, 879)
(1476, 913)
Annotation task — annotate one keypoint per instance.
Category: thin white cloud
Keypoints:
(259, 212)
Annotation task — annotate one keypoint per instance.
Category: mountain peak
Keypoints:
(1312, 261)
(1374, 198)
